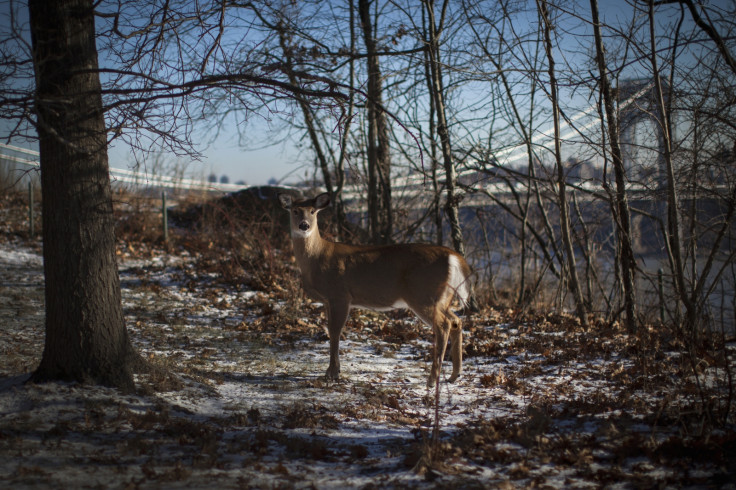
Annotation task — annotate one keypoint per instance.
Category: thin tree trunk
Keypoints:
(437, 93)
(436, 188)
(673, 220)
(561, 186)
(313, 132)
(524, 208)
(452, 205)
(379, 158)
(86, 339)
(340, 164)
(620, 208)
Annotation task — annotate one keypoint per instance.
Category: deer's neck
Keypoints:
(309, 248)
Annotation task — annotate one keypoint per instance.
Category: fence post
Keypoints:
(660, 283)
(31, 224)
(164, 217)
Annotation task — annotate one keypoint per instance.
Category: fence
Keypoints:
(19, 165)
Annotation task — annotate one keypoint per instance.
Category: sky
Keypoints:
(258, 165)
(225, 157)
(261, 161)
(268, 156)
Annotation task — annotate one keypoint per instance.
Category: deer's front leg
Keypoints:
(337, 315)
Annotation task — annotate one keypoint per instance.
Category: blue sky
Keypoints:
(267, 153)
(225, 157)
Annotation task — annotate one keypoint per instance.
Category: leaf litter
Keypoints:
(541, 402)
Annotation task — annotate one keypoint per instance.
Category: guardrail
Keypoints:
(125, 176)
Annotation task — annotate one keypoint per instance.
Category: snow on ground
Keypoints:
(249, 406)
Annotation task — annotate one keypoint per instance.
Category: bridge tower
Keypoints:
(637, 101)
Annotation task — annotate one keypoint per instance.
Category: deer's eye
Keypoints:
(313, 211)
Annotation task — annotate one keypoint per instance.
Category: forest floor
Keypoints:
(541, 401)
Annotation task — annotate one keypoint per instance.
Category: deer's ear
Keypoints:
(285, 200)
(322, 201)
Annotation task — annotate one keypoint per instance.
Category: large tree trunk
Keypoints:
(86, 339)
(379, 157)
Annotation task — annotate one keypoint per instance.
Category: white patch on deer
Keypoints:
(457, 280)
(297, 233)
(398, 304)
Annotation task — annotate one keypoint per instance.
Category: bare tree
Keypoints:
(438, 98)
(619, 199)
(437, 94)
(311, 122)
(378, 151)
(523, 124)
(561, 180)
(695, 274)
(436, 208)
(673, 221)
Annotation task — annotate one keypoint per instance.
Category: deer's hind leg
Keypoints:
(456, 341)
(445, 326)
(441, 329)
(435, 318)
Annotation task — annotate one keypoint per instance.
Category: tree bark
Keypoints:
(86, 339)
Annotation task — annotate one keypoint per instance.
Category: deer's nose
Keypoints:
(304, 226)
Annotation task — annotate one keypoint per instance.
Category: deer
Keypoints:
(425, 278)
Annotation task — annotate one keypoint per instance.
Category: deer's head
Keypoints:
(304, 213)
